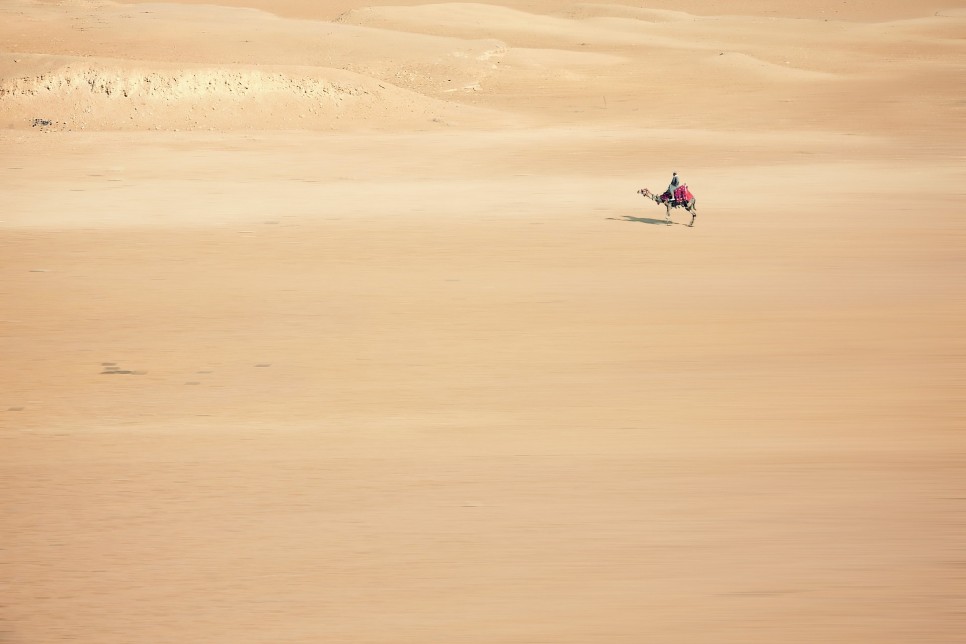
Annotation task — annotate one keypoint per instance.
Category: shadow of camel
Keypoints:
(647, 220)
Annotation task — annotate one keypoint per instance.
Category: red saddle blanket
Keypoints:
(681, 193)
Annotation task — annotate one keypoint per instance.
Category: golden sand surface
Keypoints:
(335, 322)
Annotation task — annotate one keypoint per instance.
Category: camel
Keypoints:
(687, 201)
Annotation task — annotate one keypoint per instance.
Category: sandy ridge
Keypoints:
(128, 94)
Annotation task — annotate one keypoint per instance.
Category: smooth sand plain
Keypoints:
(330, 322)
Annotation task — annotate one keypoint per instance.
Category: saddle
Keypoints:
(681, 195)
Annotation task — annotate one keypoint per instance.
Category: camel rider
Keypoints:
(675, 182)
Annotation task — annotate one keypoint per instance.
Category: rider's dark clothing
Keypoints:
(675, 182)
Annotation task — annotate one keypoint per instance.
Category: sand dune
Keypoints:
(123, 95)
(229, 36)
(282, 72)
(335, 321)
(325, 76)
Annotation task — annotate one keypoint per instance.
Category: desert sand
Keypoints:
(343, 322)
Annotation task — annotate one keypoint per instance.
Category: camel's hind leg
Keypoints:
(693, 209)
